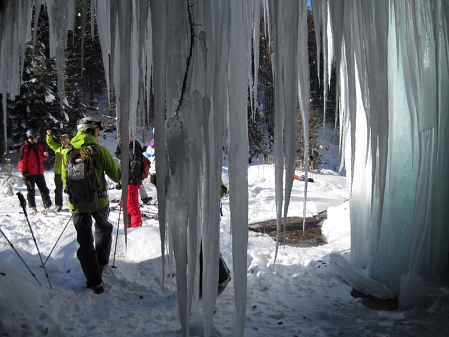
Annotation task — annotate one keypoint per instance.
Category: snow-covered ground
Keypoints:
(301, 295)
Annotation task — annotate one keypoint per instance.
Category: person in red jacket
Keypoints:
(134, 181)
(31, 165)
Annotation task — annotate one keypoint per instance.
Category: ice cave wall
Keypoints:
(392, 62)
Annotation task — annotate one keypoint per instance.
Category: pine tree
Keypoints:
(255, 135)
(85, 77)
(76, 105)
(93, 75)
(38, 103)
(265, 89)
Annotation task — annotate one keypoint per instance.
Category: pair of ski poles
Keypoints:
(23, 204)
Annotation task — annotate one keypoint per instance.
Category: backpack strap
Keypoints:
(102, 191)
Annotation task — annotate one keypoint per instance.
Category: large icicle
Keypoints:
(102, 9)
(320, 18)
(182, 225)
(120, 30)
(288, 84)
(206, 149)
(60, 14)
(237, 83)
(277, 17)
(286, 17)
(159, 32)
(303, 80)
(177, 207)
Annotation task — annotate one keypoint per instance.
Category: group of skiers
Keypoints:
(94, 250)
(93, 259)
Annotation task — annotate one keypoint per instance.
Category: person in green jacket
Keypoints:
(60, 150)
(93, 260)
(224, 190)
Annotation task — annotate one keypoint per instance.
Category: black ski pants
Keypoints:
(90, 257)
(59, 187)
(39, 180)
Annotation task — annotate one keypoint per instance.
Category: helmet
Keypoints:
(89, 123)
(32, 133)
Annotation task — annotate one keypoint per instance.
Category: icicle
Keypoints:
(59, 20)
(322, 31)
(13, 36)
(279, 115)
(121, 23)
(317, 6)
(238, 153)
(177, 206)
(254, 21)
(102, 9)
(304, 98)
(13, 39)
(285, 16)
(159, 33)
(201, 125)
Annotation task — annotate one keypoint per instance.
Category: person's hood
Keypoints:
(82, 139)
(137, 146)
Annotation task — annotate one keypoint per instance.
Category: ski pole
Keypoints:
(12, 246)
(58, 239)
(23, 204)
(116, 235)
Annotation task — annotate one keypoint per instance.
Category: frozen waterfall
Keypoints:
(392, 63)
(391, 58)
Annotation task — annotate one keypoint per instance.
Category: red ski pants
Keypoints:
(133, 206)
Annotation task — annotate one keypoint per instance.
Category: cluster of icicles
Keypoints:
(391, 63)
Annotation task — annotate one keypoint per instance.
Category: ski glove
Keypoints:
(25, 177)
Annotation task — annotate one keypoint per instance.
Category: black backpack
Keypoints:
(82, 184)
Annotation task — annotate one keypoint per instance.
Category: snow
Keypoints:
(302, 294)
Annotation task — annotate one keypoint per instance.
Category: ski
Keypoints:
(114, 208)
(46, 212)
(150, 213)
(37, 212)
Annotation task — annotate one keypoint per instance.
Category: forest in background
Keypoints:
(41, 105)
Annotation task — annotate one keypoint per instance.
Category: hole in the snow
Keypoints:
(311, 237)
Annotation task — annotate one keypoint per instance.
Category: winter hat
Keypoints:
(89, 123)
